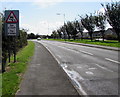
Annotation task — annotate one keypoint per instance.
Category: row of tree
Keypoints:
(91, 22)
(11, 44)
(35, 36)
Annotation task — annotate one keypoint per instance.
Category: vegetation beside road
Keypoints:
(92, 22)
(14, 71)
(111, 43)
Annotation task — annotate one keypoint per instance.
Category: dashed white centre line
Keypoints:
(104, 68)
(112, 60)
(77, 51)
(86, 52)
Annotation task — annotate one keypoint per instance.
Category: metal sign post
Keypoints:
(12, 28)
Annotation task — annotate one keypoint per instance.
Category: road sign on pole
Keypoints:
(12, 22)
(12, 28)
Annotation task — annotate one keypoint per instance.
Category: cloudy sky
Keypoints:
(40, 16)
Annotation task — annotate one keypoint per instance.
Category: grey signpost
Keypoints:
(11, 22)
(12, 28)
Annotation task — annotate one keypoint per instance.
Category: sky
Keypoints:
(41, 16)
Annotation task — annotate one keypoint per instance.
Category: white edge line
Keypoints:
(64, 71)
(112, 60)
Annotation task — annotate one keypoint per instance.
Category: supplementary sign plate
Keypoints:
(11, 29)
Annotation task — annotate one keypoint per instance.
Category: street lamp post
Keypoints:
(64, 23)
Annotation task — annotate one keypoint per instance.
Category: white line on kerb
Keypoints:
(112, 60)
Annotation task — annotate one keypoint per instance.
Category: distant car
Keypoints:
(39, 38)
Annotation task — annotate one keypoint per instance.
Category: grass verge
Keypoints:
(12, 77)
(111, 43)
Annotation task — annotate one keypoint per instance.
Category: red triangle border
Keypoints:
(14, 16)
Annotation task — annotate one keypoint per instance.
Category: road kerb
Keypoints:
(79, 92)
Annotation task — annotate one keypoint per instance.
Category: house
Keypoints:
(85, 35)
(109, 34)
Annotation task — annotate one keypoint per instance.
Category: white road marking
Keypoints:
(86, 52)
(52, 54)
(77, 51)
(104, 68)
(68, 49)
(59, 56)
(89, 72)
(75, 77)
(112, 60)
(79, 67)
(72, 74)
(92, 68)
(38, 64)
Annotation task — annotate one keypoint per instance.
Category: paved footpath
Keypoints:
(44, 76)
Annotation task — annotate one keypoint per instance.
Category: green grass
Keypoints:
(12, 77)
(111, 43)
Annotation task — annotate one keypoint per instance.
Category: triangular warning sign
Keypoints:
(11, 18)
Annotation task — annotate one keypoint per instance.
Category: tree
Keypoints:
(31, 36)
(112, 12)
(79, 28)
(9, 42)
(75, 29)
(63, 31)
(68, 29)
(88, 23)
(54, 34)
(1, 15)
(22, 39)
(71, 29)
(59, 33)
(100, 22)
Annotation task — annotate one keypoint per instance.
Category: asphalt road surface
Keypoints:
(44, 76)
(93, 71)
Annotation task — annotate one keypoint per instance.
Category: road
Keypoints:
(44, 76)
(93, 71)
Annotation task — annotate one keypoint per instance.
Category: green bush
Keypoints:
(10, 44)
